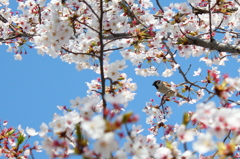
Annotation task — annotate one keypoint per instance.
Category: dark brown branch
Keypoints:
(197, 11)
(128, 132)
(87, 26)
(232, 32)
(4, 20)
(159, 6)
(113, 49)
(80, 53)
(101, 58)
(236, 102)
(210, 20)
(39, 14)
(188, 69)
(219, 24)
(228, 55)
(96, 91)
(237, 2)
(111, 84)
(117, 36)
(191, 40)
(17, 35)
(214, 45)
(181, 72)
(114, 37)
(130, 13)
(90, 9)
(208, 99)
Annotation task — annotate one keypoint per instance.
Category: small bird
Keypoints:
(164, 87)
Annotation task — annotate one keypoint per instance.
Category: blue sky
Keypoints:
(31, 89)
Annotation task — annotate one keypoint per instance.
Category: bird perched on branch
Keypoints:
(165, 88)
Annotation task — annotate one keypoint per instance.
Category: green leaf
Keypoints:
(20, 139)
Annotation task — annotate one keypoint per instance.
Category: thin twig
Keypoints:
(210, 97)
(119, 48)
(87, 26)
(159, 6)
(90, 9)
(237, 2)
(224, 140)
(111, 84)
(181, 72)
(80, 53)
(128, 132)
(188, 69)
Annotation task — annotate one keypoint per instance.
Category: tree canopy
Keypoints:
(160, 41)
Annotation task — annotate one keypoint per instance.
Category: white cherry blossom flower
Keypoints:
(31, 131)
(27, 153)
(163, 152)
(167, 73)
(184, 135)
(200, 94)
(105, 145)
(198, 72)
(58, 124)
(117, 99)
(41, 2)
(120, 154)
(44, 130)
(94, 128)
(75, 103)
(21, 130)
(138, 129)
(204, 143)
(18, 57)
(188, 155)
(139, 150)
(37, 147)
(113, 72)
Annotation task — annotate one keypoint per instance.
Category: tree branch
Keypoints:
(191, 40)
(159, 6)
(101, 58)
(214, 45)
(117, 36)
(181, 71)
(80, 53)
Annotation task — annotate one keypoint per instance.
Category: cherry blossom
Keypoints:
(167, 73)
(18, 57)
(94, 128)
(105, 145)
(163, 152)
(120, 154)
(109, 37)
(44, 130)
(204, 143)
(31, 131)
(198, 72)
(75, 103)
(185, 135)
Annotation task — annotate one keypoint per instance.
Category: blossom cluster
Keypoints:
(13, 142)
(88, 33)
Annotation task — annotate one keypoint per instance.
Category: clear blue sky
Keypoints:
(31, 89)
